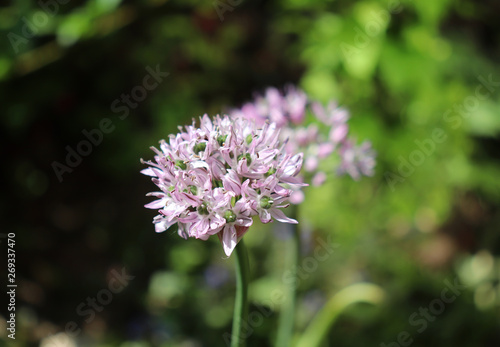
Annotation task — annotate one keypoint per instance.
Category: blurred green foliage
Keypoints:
(403, 69)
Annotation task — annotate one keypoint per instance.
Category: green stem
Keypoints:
(287, 314)
(319, 327)
(241, 304)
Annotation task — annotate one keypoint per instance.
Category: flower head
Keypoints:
(318, 139)
(215, 177)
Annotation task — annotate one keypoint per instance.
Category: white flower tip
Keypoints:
(148, 172)
(229, 239)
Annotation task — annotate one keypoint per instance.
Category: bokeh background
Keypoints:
(403, 69)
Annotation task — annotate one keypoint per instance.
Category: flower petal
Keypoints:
(265, 216)
(229, 239)
(154, 205)
(280, 216)
(148, 172)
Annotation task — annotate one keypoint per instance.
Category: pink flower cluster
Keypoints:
(318, 137)
(214, 178)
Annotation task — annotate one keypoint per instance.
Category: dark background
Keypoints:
(398, 69)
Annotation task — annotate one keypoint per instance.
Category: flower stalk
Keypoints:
(240, 315)
(287, 315)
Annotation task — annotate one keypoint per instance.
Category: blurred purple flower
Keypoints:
(357, 160)
(318, 139)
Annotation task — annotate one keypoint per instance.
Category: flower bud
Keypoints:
(229, 216)
(221, 139)
(266, 202)
(203, 209)
(249, 139)
(270, 172)
(199, 147)
(194, 190)
(247, 157)
(181, 164)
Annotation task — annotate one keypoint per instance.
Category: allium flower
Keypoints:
(289, 112)
(214, 178)
(357, 161)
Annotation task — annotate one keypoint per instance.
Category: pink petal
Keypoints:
(154, 205)
(280, 217)
(311, 164)
(229, 239)
(163, 225)
(338, 134)
(231, 182)
(148, 172)
(319, 179)
(297, 197)
(265, 216)
(325, 149)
